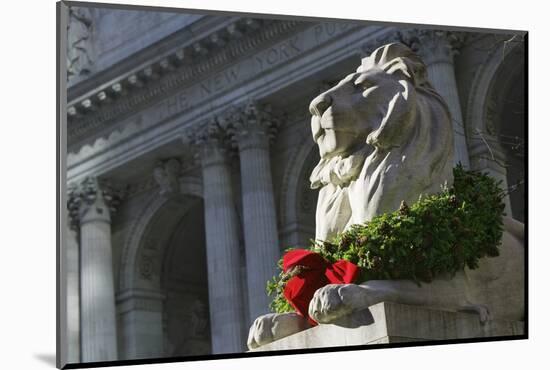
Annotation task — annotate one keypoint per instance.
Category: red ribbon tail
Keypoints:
(342, 272)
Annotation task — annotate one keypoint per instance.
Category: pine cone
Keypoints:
(453, 201)
(329, 247)
(376, 263)
(384, 228)
(345, 242)
(404, 208)
(362, 240)
(296, 270)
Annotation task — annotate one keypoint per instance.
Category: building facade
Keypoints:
(189, 153)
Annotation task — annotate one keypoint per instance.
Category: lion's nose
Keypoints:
(320, 104)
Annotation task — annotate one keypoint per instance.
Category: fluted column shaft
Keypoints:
(73, 298)
(222, 250)
(98, 314)
(259, 213)
(437, 51)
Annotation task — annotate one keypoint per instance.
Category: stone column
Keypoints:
(73, 299)
(437, 49)
(71, 270)
(252, 128)
(222, 243)
(141, 318)
(97, 305)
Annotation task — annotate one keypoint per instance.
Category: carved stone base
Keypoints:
(393, 323)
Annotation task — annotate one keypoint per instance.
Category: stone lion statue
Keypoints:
(384, 136)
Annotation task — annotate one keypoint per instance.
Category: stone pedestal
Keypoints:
(395, 323)
(222, 244)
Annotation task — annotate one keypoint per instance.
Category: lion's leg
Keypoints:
(336, 300)
(274, 326)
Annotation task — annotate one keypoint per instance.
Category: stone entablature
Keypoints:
(172, 70)
(315, 48)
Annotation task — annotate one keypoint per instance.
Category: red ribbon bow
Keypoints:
(313, 273)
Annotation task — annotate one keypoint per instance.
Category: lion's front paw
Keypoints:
(274, 326)
(333, 301)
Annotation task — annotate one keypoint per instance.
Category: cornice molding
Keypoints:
(258, 79)
(172, 71)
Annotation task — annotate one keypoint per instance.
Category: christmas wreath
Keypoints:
(439, 234)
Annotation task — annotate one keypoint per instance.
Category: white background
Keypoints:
(28, 181)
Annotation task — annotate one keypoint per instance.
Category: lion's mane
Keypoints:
(408, 153)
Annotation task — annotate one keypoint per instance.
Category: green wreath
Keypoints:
(438, 234)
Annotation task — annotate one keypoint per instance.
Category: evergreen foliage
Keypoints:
(437, 235)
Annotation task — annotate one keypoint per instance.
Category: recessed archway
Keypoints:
(185, 287)
(145, 298)
(495, 121)
(298, 200)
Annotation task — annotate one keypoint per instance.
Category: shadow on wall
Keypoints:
(47, 358)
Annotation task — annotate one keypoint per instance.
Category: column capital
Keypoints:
(252, 125)
(371, 45)
(74, 201)
(210, 142)
(92, 194)
(433, 46)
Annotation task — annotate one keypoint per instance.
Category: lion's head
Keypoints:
(385, 122)
(383, 88)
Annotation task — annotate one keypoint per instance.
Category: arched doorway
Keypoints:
(162, 299)
(496, 121)
(299, 201)
(510, 130)
(185, 287)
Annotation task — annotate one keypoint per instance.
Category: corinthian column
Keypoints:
(251, 129)
(97, 305)
(222, 243)
(72, 276)
(437, 49)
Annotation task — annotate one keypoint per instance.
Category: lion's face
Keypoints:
(344, 116)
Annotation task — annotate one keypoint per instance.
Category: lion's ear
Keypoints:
(396, 57)
(410, 67)
(396, 124)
